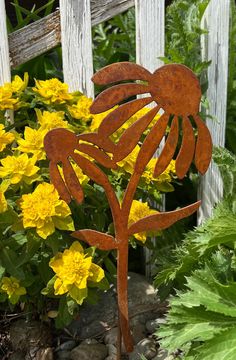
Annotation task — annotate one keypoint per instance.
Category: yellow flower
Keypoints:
(51, 120)
(52, 91)
(73, 270)
(19, 168)
(18, 85)
(6, 100)
(5, 138)
(33, 142)
(165, 177)
(3, 202)
(127, 164)
(11, 286)
(44, 210)
(138, 211)
(81, 109)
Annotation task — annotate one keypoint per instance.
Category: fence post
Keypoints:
(5, 70)
(150, 44)
(215, 48)
(76, 42)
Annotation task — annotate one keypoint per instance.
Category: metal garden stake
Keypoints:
(172, 88)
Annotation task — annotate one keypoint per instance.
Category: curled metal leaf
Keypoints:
(120, 72)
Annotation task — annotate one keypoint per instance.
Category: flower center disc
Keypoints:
(59, 144)
(176, 89)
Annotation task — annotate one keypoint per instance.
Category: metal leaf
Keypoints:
(186, 152)
(203, 150)
(97, 155)
(168, 151)
(114, 95)
(163, 220)
(95, 238)
(132, 135)
(120, 72)
(115, 119)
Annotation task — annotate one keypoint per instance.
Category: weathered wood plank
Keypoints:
(76, 39)
(5, 73)
(150, 44)
(215, 48)
(43, 35)
(34, 39)
(103, 10)
(150, 32)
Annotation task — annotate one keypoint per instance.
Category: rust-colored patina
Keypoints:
(175, 90)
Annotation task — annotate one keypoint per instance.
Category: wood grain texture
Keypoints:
(34, 39)
(215, 48)
(150, 44)
(43, 35)
(76, 40)
(5, 75)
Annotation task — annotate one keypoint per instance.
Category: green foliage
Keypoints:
(202, 319)
(183, 31)
(114, 40)
(205, 239)
(25, 16)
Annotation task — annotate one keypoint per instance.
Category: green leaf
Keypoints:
(78, 294)
(64, 316)
(10, 260)
(2, 271)
(221, 347)
(49, 289)
(204, 312)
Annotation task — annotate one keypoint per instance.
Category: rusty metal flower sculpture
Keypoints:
(174, 89)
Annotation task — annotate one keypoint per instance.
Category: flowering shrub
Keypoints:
(37, 253)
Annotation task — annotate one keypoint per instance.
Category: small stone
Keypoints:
(95, 319)
(111, 336)
(153, 325)
(111, 349)
(44, 354)
(145, 347)
(68, 345)
(89, 341)
(88, 352)
(138, 333)
(33, 335)
(63, 355)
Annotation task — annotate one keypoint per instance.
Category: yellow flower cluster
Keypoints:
(52, 91)
(10, 91)
(44, 211)
(138, 211)
(6, 99)
(80, 110)
(128, 163)
(19, 169)
(17, 85)
(51, 120)
(5, 138)
(11, 286)
(32, 143)
(74, 270)
(33, 138)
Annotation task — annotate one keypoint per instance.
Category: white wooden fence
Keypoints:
(71, 26)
